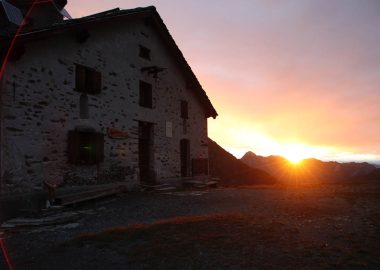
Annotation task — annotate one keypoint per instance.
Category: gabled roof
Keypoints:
(151, 16)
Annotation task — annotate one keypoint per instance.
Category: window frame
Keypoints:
(85, 147)
(145, 52)
(87, 80)
(184, 109)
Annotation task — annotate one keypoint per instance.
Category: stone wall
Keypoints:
(40, 105)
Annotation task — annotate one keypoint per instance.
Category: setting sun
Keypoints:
(255, 140)
(295, 160)
(295, 153)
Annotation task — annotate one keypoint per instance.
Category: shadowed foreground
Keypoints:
(332, 227)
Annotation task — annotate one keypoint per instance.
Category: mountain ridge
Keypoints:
(310, 168)
(232, 171)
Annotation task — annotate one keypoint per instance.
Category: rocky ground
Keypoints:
(327, 227)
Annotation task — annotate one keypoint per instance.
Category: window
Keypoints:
(87, 80)
(85, 147)
(144, 52)
(184, 109)
(145, 94)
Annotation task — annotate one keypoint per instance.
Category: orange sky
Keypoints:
(285, 75)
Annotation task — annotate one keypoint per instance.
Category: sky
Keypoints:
(287, 77)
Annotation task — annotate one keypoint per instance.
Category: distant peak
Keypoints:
(250, 154)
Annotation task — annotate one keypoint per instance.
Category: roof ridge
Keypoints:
(102, 13)
(121, 11)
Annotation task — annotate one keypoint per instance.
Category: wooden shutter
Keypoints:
(145, 99)
(144, 52)
(85, 147)
(184, 109)
(96, 82)
(80, 78)
(73, 147)
(148, 90)
(141, 95)
(99, 147)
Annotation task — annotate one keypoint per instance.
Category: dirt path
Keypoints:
(310, 228)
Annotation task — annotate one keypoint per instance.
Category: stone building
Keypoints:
(103, 98)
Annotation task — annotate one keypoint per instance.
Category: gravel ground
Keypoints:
(346, 217)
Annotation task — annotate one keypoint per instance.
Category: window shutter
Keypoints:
(80, 78)
(145, 99)
(184, 109)
(144, 52)
(99, 147)
(73, 147)
(149, 102)
(85, 147)
(141, 95)
(96, 81)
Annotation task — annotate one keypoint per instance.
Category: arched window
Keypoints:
(83, 107)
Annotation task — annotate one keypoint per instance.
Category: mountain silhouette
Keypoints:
(311, 169)
(232, 171)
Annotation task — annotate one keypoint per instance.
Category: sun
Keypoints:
(295, 153)
(294, 159)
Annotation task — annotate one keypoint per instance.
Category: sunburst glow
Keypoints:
(295, 160)
(295, 153)
(254, 140)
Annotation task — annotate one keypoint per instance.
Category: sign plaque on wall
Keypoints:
(169, 129)
(114, 133)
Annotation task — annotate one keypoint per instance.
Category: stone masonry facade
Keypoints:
(40, 105)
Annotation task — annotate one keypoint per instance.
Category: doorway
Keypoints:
(146, 152)
(185, 157)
